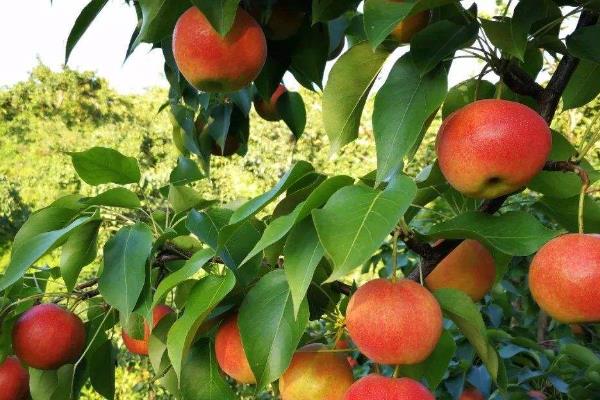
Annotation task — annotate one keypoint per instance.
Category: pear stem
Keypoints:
(395, 255)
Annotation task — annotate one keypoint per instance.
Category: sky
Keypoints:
(43, 33)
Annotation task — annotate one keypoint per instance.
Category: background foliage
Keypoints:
(55, 112)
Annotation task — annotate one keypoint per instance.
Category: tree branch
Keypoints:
(518, 80)
(568, 166)
(551, 95)
(548, 99)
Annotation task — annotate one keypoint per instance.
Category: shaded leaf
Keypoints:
(293, 112)
(201, 378)
(220, 13)
(101, 367)
(298, 170)
(158, 19)
(465, 93)
(270, 333)
(566, 212)
(82, 23)
(440, 40)
(78, 251)
(282, 225)
(382, 16)
(584, 43)
(583, 86)
(183, 198)
(189, 269)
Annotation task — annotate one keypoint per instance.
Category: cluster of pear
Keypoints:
(44, 337)
(492, 148)
(487, 149)
(214, 63)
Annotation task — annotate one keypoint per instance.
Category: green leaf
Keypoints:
(326, 10)
(234, 244)
(566, 212)
(503, 36)
(293, 112)
(431, 184)
(556, 183)
(82, 23)
(310, 55)
(270, 332)
(207, 224)
(584, 356)
(402, 106)
(345, 94)
(302, 253)
(183, 198)
(53, 217)
(515, 233)
(78, 251)
(465, 93)
(103, 165)
(459, 307)
(32, 248)
(220, 13)
(382, 16)
(440, 40)
(203, 298)
(584, 43)
(201, 378)
(185, 172)
(510, 35)
(124, 273)
(583, 86)
(434, 367)
(189, 269)
(350, 235)
(158, 19)
(277, 229)
(298, 170)
(157, 344)
(52, 384)
(116, 197)
(101, 367)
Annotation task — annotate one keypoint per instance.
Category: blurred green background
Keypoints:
(52, 113)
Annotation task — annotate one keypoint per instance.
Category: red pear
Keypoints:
(564, 278)
(48, 337)
(316, 375)
(140, 346)
(469, 268)
(409, 27)
(376, 387)
(471, 394)
(14, 380)
(394, 322)
(268, 109)
(490, 148)
(230, 353)
(213, 63)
